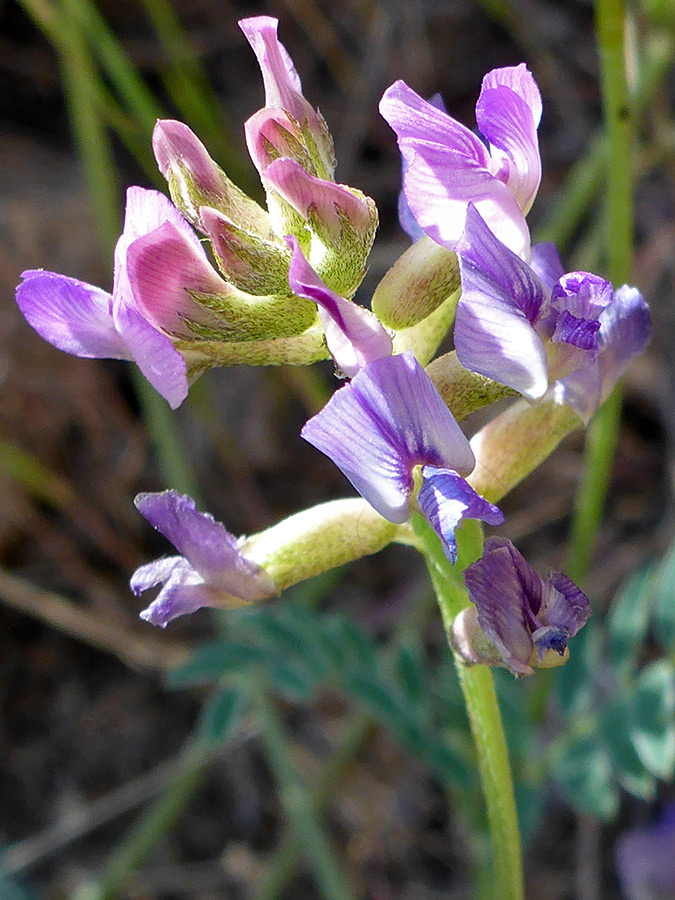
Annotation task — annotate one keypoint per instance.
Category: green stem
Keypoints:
(483, 710)
(300, 809)
(603, 431)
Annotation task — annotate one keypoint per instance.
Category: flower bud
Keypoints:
(195, 180)
(418, 282)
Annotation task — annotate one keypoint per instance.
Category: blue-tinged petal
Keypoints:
(73, 316)
(407, 221)
(153, 573)
(644, 859)
(206, 544)
(545, 263)
(582, 390)
(445, 498)
(581, 333)
(495, 586)
(184, 592)
(563, 604)
(506, 119)
(582, 294)
(154, 354)
(500, 303)
(376, 429)
(353, 334)
(625, 331)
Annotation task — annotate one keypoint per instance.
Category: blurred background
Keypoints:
(136, 763)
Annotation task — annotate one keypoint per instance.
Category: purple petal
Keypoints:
(415, 119)
(495, 584)
(154, 354)
(582, 390)
(563, 604)
(164, 270)
(206, 545)
(625, 331)
(521, 81)
(644, 859)
(282, 82)
(500, 303)
(73, 316)
(439, 185)
(183, 593)
(153, 573)
(545, 262)
(581, 333)
(407, 221)
(145, 212)
(353, 334)
(445, 498)
(333, 205)
(508, 121)
(389, 419)
(445, 167)
(582, 294)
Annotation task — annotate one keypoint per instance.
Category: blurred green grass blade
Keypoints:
(115, 63)
(191, 92)
(80, 80)
(40, 482)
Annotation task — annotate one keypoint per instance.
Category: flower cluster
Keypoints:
(277, 286)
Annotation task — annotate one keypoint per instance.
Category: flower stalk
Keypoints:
(482, 709)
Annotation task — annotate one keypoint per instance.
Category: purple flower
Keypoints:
(523, 616)
(644, 860)
(353, 334)
(525, 325)
(211, 570)
(86, 321)
(446, 165)
(387, 421)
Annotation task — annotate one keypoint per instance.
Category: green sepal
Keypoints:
(297, 350)
(230, 200)
(425, 337)
(464, 391)
(244, 317)
(417, 284)
(252, 264)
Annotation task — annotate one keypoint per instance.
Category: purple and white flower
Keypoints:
(379, 428)
(447, 166)
(353, 334)
(526, 326)
(210, 571)
(525, 617)
(86, 321)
